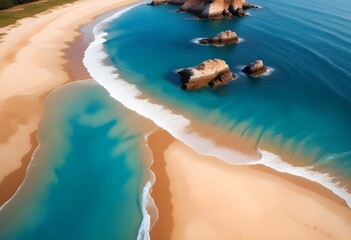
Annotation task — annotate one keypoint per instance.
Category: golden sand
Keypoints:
(32, 64)
(202, 198)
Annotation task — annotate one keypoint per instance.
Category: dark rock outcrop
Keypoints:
(247, 5)
(157, 2)
(225, 37)
(210, 8)
(176, 2)
(213, 73)
(172, 2)
(255, 69)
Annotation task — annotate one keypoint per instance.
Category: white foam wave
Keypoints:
(241, 40)
(269, 71)
(127, 94)
(143, 233)
(273, 161)
(197, 41)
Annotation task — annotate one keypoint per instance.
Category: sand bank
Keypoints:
(204, 198)
(32, 64)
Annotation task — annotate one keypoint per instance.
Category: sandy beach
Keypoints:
(198, 197)
(32, 64)
(204, 198)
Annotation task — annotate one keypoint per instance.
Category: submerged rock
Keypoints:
(210, 8)
(213, 73)
(255, 69)
(225, 37)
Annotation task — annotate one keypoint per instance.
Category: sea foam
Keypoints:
(143, 233)
(273, 161)
(176, 124)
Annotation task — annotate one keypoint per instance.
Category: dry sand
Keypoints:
(197, 197)
(202, 198)
(32, 64)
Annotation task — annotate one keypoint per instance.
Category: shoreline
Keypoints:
(241, 150)
(40, 48)
(181, 127)
(187, 199)
(168, 146)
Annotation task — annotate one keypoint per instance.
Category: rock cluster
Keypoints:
(255, 69)
(210, 8)
(213, 73)
(225, 37)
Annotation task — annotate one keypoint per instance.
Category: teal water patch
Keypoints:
(86, 178)
(303, 105)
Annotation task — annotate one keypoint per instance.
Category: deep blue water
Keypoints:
(303, 106)
(86, 178)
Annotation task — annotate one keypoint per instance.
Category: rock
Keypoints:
(213, 73)
(216, 8)
(227, 14)
(210, 8)
(223, 79)
(225, 37)
(239, 12)
(157, 2)
(255, 69)
(248, 6)
(176, 2)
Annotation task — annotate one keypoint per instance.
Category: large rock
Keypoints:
(157, 2)
(225, 37)
(213, 73)
(255, 69)
(210, 8)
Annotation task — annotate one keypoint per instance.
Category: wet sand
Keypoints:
(33, 62)
(205, 198)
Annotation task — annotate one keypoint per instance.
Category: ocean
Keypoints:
(300, 109)
(86, 179)
(303, 103)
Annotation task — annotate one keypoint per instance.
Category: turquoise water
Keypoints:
(86, 178)
(304, 105)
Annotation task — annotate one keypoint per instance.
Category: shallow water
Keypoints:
(86, 178)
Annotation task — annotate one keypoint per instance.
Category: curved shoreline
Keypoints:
(147, 187)
(177, 125)
(37, 46)
(207, 197)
